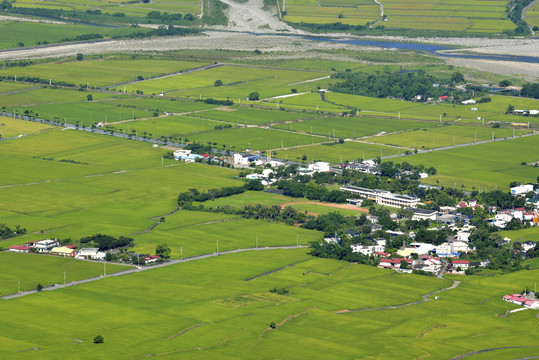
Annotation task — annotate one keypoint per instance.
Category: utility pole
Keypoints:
(104, 267)
(64, 277)
(217, 246)
(297, 239)
(19, 286)
(181, 253)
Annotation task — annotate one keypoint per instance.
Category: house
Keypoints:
(521, 189)
(355, 202)
(379, 245)
(332, 239)
(19, 248)
(423, 175)
(460, 247)
(181, 153)
(90, 253)
(45, 245)
(246, 159)
(528, 245)
(151, 259)
(422, 214)
(63, 251)
(319, 166)
(444, 250)
(463, 264)
(463, 236)
(422, 248)
(522, 300)
(468, 102)
(395, 264)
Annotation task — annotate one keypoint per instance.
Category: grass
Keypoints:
(354, 127)
(111, 185)
(233, 313)
(445, 136)
(10, 127)
(100, 73)
(32, 269)
(486, 166)
(6, 87)
(530, 234)
(253, 116)
(238, 83)
(255, 138)
(332, 152)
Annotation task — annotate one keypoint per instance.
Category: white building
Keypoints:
(460, 247)
(247, 159)
(319, 167)
(463, 236)
(422, 214)
(443, 249)
(380, 246)
(422, 248)
(468, 102)
(90, 253)
(181, 153)
(383, 197)
(45, 245)
(521, 189)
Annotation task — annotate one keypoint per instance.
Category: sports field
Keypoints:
(218, 314)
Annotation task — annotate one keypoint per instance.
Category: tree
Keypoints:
(505, 83)
(404, 264)
(273, 325)
(218, 83)
(80, 57)
(163, 250)
(89, 97)
(457, 77)
(510, 109)
(254, 96)
(257, 52)
(99, 339)
(39, 287)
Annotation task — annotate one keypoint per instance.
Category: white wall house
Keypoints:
(90, 253)
(45, 245)
(521, 189)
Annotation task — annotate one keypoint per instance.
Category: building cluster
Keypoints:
(53, 247)
(526, 300)
(383, 197)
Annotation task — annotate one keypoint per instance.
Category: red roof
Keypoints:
(443, 97)
(205, 155)
(461, 262)
(71, 246)
(19, 247)
(155, 257)
(520, 209)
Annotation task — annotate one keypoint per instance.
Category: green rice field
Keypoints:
(10, 127)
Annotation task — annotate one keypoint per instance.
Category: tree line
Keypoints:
(6, 232)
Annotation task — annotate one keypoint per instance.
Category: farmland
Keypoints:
(10, 127)
(31, 270)
(221, 300)
(100, 73)
(474, 17)
(487, 166)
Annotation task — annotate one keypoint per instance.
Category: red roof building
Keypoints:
(19, 248)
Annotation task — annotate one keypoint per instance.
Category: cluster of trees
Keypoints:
(397, 85)
(36, 79)
(160, 31)
(193, 195)
(530, 90)
(213, 101)
(107, 242)
(311, 191)
(6, 232)
(166, 17)
(488, 245)
(514, 13)
(340, 252)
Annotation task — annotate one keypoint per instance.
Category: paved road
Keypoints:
(493, 349)
(139, 269)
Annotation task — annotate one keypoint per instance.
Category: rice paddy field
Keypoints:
(336, 153)
(450, 15)
(446, 136)
(100, 73)
(10, 127)
(221, 313)
(532, 15)
(238, 83)
(33, 269)
(130, 9)
(483, 167)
